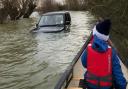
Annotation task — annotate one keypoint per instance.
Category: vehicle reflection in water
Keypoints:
(36, 61)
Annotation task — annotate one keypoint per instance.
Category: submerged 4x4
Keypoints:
(54, 22)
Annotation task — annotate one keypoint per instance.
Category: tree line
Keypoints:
(52, 5)
(15, 9)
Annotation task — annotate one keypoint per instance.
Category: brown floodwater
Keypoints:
(36, 61)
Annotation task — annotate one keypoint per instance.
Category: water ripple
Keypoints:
(36, 61)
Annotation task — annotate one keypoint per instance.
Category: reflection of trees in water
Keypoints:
(15, 9)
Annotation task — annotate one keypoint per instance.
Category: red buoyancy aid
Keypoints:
(99, 67)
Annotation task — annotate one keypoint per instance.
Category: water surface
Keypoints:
(36, 61)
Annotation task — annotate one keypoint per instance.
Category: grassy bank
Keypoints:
(117, 11)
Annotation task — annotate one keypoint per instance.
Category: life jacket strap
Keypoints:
(91, 76)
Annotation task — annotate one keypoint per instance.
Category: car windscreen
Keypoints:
(49, 20)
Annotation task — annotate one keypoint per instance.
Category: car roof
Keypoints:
(56, 12)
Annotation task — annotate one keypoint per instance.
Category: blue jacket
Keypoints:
(118, 78)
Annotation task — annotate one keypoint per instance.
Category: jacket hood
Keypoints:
(99, 45)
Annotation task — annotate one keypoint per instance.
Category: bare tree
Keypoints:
(72, 4)
(3, 12)
(50, 5)
(26, 7)
(16, 9)
(31, 7)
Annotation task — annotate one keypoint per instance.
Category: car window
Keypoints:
(51, 20)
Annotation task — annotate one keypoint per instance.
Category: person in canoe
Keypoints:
(102, 61)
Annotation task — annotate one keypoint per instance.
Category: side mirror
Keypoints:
(36, 25)
(67, 22)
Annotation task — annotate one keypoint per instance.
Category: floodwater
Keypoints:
(36, 61)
